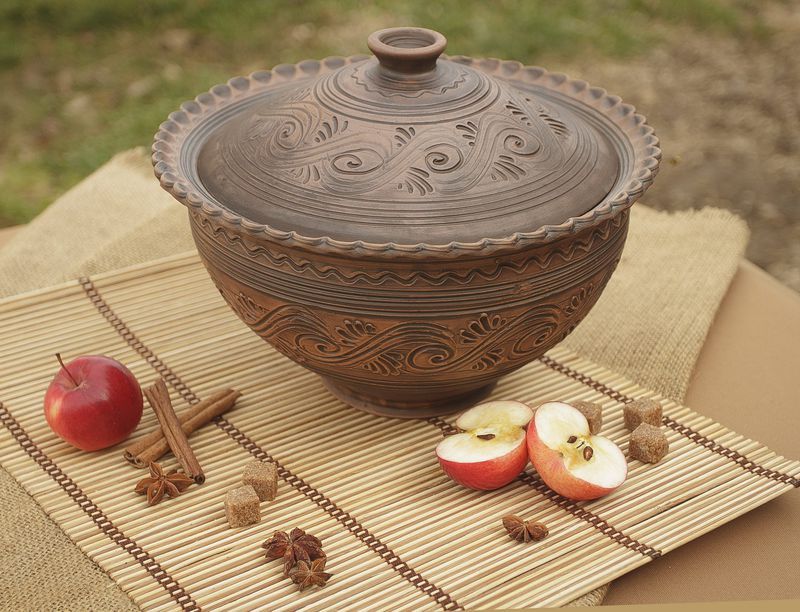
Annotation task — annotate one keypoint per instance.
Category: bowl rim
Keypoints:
(172, 134)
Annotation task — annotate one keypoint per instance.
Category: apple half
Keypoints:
(570, 460)
(490, 452)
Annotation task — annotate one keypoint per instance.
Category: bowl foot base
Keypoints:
(406, 410)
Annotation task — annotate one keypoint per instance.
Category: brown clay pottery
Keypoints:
(411, 227)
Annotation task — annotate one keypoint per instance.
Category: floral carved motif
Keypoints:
(418, 347)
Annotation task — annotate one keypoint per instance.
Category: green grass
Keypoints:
(83, 79)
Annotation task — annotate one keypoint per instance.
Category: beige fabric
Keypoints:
(649, 324)
(592, 598)
(117, 217)
(42, 568)
(653, 317)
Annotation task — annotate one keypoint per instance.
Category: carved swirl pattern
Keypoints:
(301, 140)
(470, 133)
(414, 347)
(472, 158)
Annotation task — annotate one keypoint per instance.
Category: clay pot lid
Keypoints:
(405, 150)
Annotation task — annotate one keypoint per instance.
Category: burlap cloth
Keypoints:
(649, 325)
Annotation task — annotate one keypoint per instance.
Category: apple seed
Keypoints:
(572, 439)
(487, 436)
(587, 453)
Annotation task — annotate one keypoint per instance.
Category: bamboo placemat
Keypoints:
(398, 533)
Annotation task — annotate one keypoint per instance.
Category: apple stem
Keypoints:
(71, 377)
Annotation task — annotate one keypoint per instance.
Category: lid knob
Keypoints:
(407, 50)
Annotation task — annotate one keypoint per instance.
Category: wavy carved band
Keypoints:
(411, 335)
(490, 341)
(206, 229)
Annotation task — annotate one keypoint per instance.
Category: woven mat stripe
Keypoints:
(135, 343)
(567, 504)
(690, 433)
(446, 601)
(103, 522)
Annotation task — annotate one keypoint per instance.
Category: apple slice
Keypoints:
(491, 451)
(570, 460)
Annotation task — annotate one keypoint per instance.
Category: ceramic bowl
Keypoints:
(408, 226)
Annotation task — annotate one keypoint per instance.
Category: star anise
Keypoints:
(160, 484)
(293, 547)
(306, 575)
(524, 531)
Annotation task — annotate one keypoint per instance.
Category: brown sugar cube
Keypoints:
(242, 506)
(648, 444)
(593, 413)
(263, 477)
(642, 411)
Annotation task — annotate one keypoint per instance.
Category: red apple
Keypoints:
(93, 402)
(570, 460)
(491, 451)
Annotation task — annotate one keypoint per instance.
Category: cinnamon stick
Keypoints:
(158, 397)
(153, 446)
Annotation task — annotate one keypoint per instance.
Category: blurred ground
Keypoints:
(727, 111)
(718, 79)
